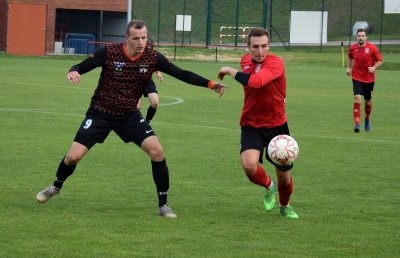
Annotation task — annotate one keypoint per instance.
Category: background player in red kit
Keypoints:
(263, 117)
(366, 60)
(127, 69)
(151, 93)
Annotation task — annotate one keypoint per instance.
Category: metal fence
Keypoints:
(226, 22)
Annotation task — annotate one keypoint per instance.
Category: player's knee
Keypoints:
(72, 159)
(357, 99)
(156, 153)
(154, 104)
(284, 178)
(249, 168)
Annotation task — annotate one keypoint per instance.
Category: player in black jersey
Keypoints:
(127, 69)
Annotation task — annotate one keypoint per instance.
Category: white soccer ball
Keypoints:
(283, 150)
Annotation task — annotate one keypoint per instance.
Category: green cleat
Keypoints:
(288, 212)
(269, 198)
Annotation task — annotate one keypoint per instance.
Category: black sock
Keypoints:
(63, 173)
(161, 179)
(150, 113)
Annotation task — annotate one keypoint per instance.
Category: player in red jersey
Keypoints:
(127, 69)
(367, 59)
(263, 117)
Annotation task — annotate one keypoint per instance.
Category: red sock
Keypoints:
(285, 191)
(260, 177)
(368, 109)
(356, 113)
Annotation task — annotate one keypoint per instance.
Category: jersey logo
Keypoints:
(143, 68)
(366, 50)
(118, 68)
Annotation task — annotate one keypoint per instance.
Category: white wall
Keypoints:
(392, 6)
(306, 27)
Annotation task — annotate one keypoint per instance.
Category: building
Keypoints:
(36, 27)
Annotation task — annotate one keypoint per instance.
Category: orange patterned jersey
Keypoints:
(123, 79)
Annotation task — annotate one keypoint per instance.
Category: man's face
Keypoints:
(361, 38)
(258, 48)
(136, 40)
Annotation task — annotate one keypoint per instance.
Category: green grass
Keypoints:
(346, 184)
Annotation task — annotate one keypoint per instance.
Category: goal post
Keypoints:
(243, 35)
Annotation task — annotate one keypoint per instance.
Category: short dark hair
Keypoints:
(137, 24)
(362, 30)
(257, 32)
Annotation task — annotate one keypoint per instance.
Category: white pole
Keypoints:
(129, 13)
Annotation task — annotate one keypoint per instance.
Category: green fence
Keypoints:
(212, 18)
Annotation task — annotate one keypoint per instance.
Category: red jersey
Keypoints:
(364, 57)
(264, 96)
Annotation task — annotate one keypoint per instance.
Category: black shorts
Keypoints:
(97, 125)
(259, 138)
(363, 88)
(151, 88)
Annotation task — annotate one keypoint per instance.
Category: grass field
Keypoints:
(346, 184)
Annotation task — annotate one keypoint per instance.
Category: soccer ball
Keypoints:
(283, 150)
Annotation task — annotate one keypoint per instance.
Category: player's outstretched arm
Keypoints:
(227, 71)
(95, 60)
(163, 65)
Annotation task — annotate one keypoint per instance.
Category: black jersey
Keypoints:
(123, 79)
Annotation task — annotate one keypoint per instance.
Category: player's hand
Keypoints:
(222, 72)
(371, 69)
(139, 104)
(160, 78)
(348, 72)
(74, 77)
(219, 88)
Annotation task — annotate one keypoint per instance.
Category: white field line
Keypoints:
(77, 87)
(197, 126)
(177, 101)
